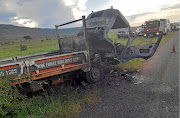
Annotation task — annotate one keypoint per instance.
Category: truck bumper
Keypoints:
(151, 34)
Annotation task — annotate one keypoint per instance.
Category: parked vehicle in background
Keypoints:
(132, 34)
(155, 27)
(140, 31)
(175, 26)
(167, 25)
(125, 34)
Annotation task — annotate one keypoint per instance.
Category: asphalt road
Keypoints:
(153, 94)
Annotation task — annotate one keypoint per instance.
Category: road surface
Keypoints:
(154, 94)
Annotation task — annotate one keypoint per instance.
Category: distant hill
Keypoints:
(11, 32)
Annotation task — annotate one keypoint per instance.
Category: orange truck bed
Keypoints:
(30, 69)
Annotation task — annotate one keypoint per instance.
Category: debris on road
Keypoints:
(128, 75)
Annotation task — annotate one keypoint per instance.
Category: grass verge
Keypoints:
(66, 104)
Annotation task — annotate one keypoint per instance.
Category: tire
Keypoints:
(95, 74)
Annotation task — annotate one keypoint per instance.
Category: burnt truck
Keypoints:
(155, 27)
(81, 56)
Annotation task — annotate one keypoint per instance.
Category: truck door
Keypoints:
(126, 53)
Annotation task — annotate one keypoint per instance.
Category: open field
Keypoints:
(12, 48)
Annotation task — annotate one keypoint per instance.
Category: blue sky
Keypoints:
(47, 13)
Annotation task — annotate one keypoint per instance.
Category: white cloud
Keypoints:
(82, 4)
(171, 14)
(47, 13)
(15, 18)
(78, 7)
(153, 8)
(69, 2)
(39, 12)
(131, 7)
(25, 22)
(31, 24)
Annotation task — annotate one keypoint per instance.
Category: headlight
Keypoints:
(157, 33)
(144, 34)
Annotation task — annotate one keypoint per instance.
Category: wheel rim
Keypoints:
(95, 74)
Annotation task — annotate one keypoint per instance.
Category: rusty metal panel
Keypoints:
(72, 44)
(57, 81)
(36, 86)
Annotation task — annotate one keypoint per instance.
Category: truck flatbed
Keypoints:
(42, 65)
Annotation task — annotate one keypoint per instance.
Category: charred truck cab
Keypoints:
(98, 26)
(80, 56)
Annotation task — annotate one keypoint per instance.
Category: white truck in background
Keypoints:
(166, 24)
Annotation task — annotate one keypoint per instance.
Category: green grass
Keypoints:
(60, 106)
(136, 64)
(66, 103)
(133, 64)
(12, 49)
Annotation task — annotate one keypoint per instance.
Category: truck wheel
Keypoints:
(95, 74)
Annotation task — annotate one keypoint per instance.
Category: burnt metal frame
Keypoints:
(83, 19)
